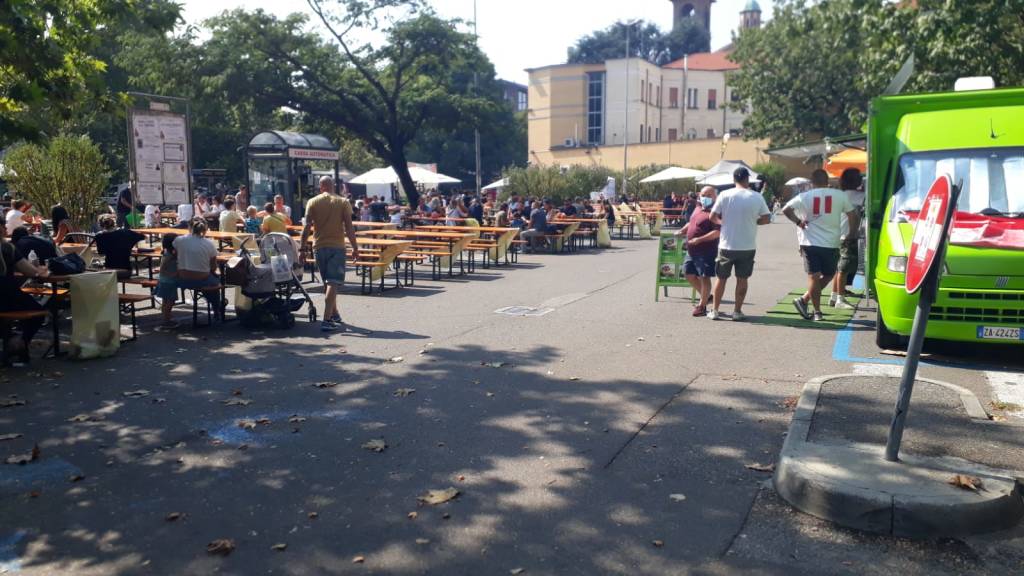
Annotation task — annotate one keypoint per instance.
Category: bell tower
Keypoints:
(699, 10)
(750, 16)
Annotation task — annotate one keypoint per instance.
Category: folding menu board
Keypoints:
(671, 253)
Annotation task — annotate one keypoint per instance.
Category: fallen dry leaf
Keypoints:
(87, 418)
(790, 402)
(396, 359)
(412, 515)
(236, 370)
(574, 378)
(375, 445)
(516, 571)
(236, 392)
(403, 392)
(76, 478)
(965, 482)
(236, 402)
(312, 515)
(358, 560)
(658, 543)
(24, 458)
(246, 424)
(135, 393)
(11, 403)
(295, 419)
(677, 497)
(325, 384)
(495, 364)
(14, 436)
(280, 547)
(221, 546)
(435, 497)
(757, 467)
(422, 541)
(263, 421)
(173, 516)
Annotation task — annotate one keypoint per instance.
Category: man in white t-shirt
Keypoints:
(739, 211)
(818, 215)
(849, 249)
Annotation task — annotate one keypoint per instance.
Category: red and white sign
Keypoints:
(928, 233)
(308, 154)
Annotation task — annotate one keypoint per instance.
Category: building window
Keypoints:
(659, 97)
(691, 98)
(712, 99)
(649, 134)
(691, 134)
(641, 133)
(649, 88)
(643, 90)
(711, 132)
(521, 101)
(673, 135)
(657, 134)
(595, 108)
(673, 97)
(734, 96)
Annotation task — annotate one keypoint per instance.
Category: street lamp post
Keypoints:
(625, 139)
(476, 130)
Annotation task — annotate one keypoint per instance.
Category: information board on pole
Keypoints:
(671, 254)
(159, 155)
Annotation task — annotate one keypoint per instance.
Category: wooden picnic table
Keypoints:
(56, 283)
(218, 235)
(604, 238)
(503, 240)
(457, 241)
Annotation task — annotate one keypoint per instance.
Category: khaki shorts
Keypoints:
(742, 260)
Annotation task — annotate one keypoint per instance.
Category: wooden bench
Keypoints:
(211, 313)
(364, 268)
(7, 320)
(127, 303)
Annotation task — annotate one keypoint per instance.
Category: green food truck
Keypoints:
(977, 137)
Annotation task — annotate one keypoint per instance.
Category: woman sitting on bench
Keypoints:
(197, 261)
(12, 299)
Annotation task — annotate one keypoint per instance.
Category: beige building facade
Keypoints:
(590, 111)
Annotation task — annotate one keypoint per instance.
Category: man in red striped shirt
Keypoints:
(818, 214)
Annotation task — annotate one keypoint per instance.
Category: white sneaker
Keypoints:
(738, 316)
(842, 303)
(832, 300)
(713, 314)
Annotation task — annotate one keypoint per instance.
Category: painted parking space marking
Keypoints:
(39, 474)
(877, 370)
(10, 561)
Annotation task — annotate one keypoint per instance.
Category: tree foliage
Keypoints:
(646, 41)
(385, 95)
(53, 67)
(68, 170)
(812, 70)
(557, 184)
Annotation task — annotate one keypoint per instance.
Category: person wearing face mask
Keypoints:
(701, 248)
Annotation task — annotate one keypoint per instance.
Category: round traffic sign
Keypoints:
(928, 232)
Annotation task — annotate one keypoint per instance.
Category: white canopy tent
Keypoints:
(389, 176)
(721, 174)
(798, 181)
(674, 173)
(496, 185)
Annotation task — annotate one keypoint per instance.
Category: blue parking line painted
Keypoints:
(229, 432)
(10, 561)
(844, 340)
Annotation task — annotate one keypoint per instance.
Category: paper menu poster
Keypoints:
(150, 172)
(174, 152)
(172, 129)
(175, 173)
(150, 193)
(175, 194)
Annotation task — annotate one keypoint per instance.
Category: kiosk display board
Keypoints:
(159, 153)
(671, 254)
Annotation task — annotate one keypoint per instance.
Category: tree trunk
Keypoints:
(401, 167)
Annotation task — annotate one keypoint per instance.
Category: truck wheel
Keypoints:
(885, 339)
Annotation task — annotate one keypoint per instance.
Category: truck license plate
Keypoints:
(999, 333)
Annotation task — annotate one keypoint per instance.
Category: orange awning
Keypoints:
(849, 158)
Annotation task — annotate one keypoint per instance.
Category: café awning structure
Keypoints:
(496, 184)
(674, 173)
(721, 173)
(389, 176)
(849, 158)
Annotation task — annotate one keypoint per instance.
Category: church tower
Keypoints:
(697, 9)
(750, 16)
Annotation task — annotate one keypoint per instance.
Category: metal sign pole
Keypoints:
(927, 296)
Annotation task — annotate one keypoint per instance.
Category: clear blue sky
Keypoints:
(519, 34)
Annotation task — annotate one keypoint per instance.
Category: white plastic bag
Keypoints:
(96, 323)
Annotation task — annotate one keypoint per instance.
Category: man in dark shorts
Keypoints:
(739, 211)
(701, 248)
(818, 214)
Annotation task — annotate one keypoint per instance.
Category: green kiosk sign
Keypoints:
(671, 255)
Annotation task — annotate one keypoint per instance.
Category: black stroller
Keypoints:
(272, 285)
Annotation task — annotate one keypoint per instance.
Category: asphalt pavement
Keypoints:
(609, 435)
